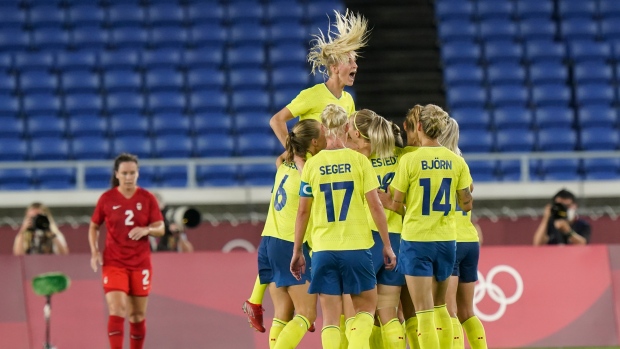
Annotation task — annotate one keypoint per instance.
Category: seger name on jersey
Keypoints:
(334, 169)
(437, 164)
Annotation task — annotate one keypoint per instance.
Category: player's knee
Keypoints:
(464, 314)
(117, 309)
(136, 316)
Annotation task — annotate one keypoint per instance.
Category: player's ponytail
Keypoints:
(450, 137)
(381, 136)
(334, 117)
(124, 157)
(300, 138)
(433, 120)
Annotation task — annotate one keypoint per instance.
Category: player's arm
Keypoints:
(298, 262)
(93, 242)
(396, 203)
(278, 124)
(155, 229)
(540, 236)
(18, 244)
(465, 199)
(60, 243)
(378, 216)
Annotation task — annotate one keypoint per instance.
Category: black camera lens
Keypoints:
(41, 222)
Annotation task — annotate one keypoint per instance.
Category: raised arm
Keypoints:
(278, 124)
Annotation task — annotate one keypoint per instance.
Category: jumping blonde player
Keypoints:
(335, 186)
(333, 55)
(460, 294)
(425, 185)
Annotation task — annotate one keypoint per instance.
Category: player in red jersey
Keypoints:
(130, 214)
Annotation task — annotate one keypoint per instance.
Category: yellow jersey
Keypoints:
(430, 177)
(284, 202)
(385, 169)
(309, 103)
(338, 180)
(465, 229)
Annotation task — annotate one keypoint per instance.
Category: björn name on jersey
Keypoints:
(437, 164)
(333, 169)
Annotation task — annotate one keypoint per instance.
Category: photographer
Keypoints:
(39, 234)
(174, 238)
(560, 224)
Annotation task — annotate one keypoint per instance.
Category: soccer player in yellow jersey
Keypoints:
(374, 137)
(336, 185)
(275, 250)
(460, 294)
(425, 186)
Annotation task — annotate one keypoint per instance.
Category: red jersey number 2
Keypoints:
(129, 217)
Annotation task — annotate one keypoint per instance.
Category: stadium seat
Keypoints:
(49, 148)
(38, 82)
(87, 126)
(161, 58)
(167, 102)
(46, 126)
(140, 146)
(287, 12)
(8, 84)
(257, 144)
(213, 123)
(597, 116)
(592, 72)
(544, 50)
(513, 118)
(119, 80)
(13, 149)
(560, 169)
(129, 37)
(89, 103)
(257, 174)
(216, 175)
(12, 127)
(125, 14)
(163, 79)
(85, 14)
(537, 29)
(594, 94)
(318, 10)
(120, 59)
(215, 145)
(610, 28)
(170, 124)
(460, 53)
(247, 34)
(577, 9)
(573, 29)
(40, 104)
(173, 146)
(609, 8)
(472, 118)
(14, 39)
(206, 79)
(551, 95)
(209, 34)
(245, 12)
(172, 176)
(483, 170)
(250, 100)
(510, 170)
(503, 51)
(170, 36)
(508, 73)
(6, 62)
(251, 122)
(203, 58)
(283, 97)
(287, 33)
(457, 30)
(601, 168)
(447, 10)
(561, 117)
(209, 101)
(9, 106)
(245, 57)
(557, 139)
(80, 81)
(581, 51)
(43, 61)
(128, 125)
(50, 39)
(497, 29)
(120, 102)
(476, 141)
(289, 77)
(97, 177)
(466, 96)
(463, 74)
(165, 14)
(241, 79)
(89, 37)
(285, 55)
(12, 16)
(548, 73)
(62, 178)
(515, 140)
(16, 179)
(526, 9)
(205, 12)
(508, 95)
(599, 138)
(90, 148)
(490, 9)
(46, 16)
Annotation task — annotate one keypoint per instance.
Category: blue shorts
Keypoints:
(427, 258)
(385, 277)
(342, 272)
(274, 262)
(466, 265)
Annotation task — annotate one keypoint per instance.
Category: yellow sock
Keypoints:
(427, 331)
(258, 292)
(361, 329)
(459, 340)
(376, 340)
(475, 333)
(330, 337)
(274, 332)
(443, 321)
(344, 343)
(347, 327)
(293, 332)
(394, 335)
(411, 329)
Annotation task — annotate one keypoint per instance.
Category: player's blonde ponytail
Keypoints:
(433, 120)
(382, 141)
(334, 117)
(450, 136)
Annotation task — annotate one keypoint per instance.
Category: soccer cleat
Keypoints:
(311, 328)
(255, 315)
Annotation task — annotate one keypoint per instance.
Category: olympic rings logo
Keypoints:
(486, 286)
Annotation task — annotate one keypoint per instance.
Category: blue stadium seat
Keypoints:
(6, 62)
(172, 176)
(137, 145)
(561, 117)
(50, 39)
(13, 149)
(257, 174)
(161, 58)
(205, 12)
(245, 56)
(508, 95)
(463, 74)
(37, 60)
(208, 34)
(87, 126)
(97, 177)
(599, 138)
(257, 144)
(163, 79)
(510, 170)
(594, 94)
(170, 124)
(489, 9)
(503, 51)
(287, 33)
(557, 139)
(55, 178)
(49, 148)
(289, 77)
(85, 14)
(592, 72)
(319, 10)
(609, 8)
(216, 175)
(129, 37)
(120, 102)
(476, 141)
(513, 118)
(148, 176)
(483, 170)
(116, 80)
(213, 124)
(548, 73)
(561, 169)
(203, 58)
(610, 28)
(90, 148)
(288, 54)
(206, 79)
(466, 96)
(515, 140)
(544, 50)
(16, 179)
(173, 146)
(14, 39)
(46, 126)
(209, 101)
(215, 145)
(597, 116)
(248, 79)
(41, 104)
(125, 14)
(526, 9)
(12, 127)
(283, 97)
(581, 51)
(8, 84)
(167, 102)
(498, 29)
(252, 123)
(472, 118)
(38, 82)
(247, 34)
(80, 80)
(578, 29)
(286, 12)
(170, 36)
(601, 168)
(89, 103)
(509, 73)
(537, 29)
(245, 12)
(250, 100)
(120, 59)
(128, 125)
(9, 105)
(577, 9)
(90, 37)
(165, 14)
(446, 10)
(551, 95)
(460, 52)
(46, 16)
(12, 16)
(457, 30)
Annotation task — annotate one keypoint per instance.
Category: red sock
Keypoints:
(137, 332)
(115, 331)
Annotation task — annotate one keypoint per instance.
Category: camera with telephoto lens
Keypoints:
(559, 211)
(184, 217)
(40, 222)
